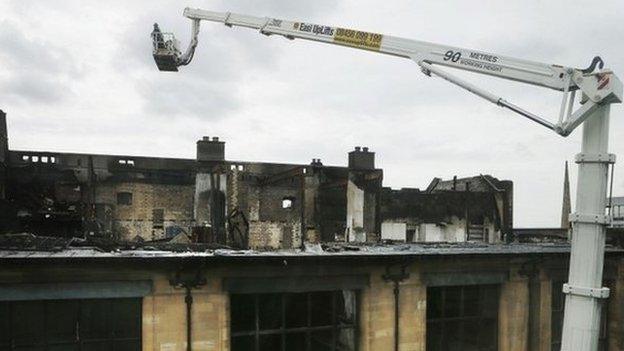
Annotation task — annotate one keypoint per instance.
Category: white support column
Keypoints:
(584, 289)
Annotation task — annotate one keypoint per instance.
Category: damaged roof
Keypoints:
(26, 246)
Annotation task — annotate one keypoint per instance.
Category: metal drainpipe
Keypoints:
(396, 315)
(396, 278)
(188, 299)
(188, 280)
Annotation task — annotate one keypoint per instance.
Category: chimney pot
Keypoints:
(206, 138)
(365, 149)
(357, 148)
(215, 139)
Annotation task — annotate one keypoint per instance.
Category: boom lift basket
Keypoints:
(165, 51)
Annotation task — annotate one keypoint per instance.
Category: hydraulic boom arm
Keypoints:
(597, 87)
(600, 89)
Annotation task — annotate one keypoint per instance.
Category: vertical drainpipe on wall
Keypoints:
(188, 299)
(467, 210)
(396, 278)
(188, 282)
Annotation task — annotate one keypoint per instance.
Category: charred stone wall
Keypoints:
(4, 150)
(65, 194)
(44, 199)
(148, 211)
(6, 215)
(241, 204)
(444, 215)
(331, 207)
(286, 205)
(270, 201)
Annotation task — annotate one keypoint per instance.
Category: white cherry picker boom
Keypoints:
(598, 88)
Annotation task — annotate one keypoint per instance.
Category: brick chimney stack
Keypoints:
(210, 150)
(361, 158)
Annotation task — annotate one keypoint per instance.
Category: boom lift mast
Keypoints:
(599, 89)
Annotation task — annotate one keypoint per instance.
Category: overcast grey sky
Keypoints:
(78, 76)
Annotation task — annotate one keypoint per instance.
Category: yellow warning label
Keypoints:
(358, 39)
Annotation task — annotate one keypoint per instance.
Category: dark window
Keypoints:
(556, 320)
(124, 199)
(103, 324)
(314, 321)
(158, 218)
(410, 234)
(462, 318)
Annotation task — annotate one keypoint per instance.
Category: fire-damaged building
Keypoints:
(114, 252)
(241, 204)
(468, 209)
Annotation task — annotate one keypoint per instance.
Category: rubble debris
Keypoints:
(30, 242)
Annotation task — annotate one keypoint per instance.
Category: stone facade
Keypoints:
(523, 316)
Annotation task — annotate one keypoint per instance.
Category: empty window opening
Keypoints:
(410, 235)
(158, 218)
(25, 158)
(35, 158)
(126, 162)
(124, 198)
(44, 159)
(232, 167)
(309, 321)
(52, 159)
(241, 168)
(288, 202)
(462, 318)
